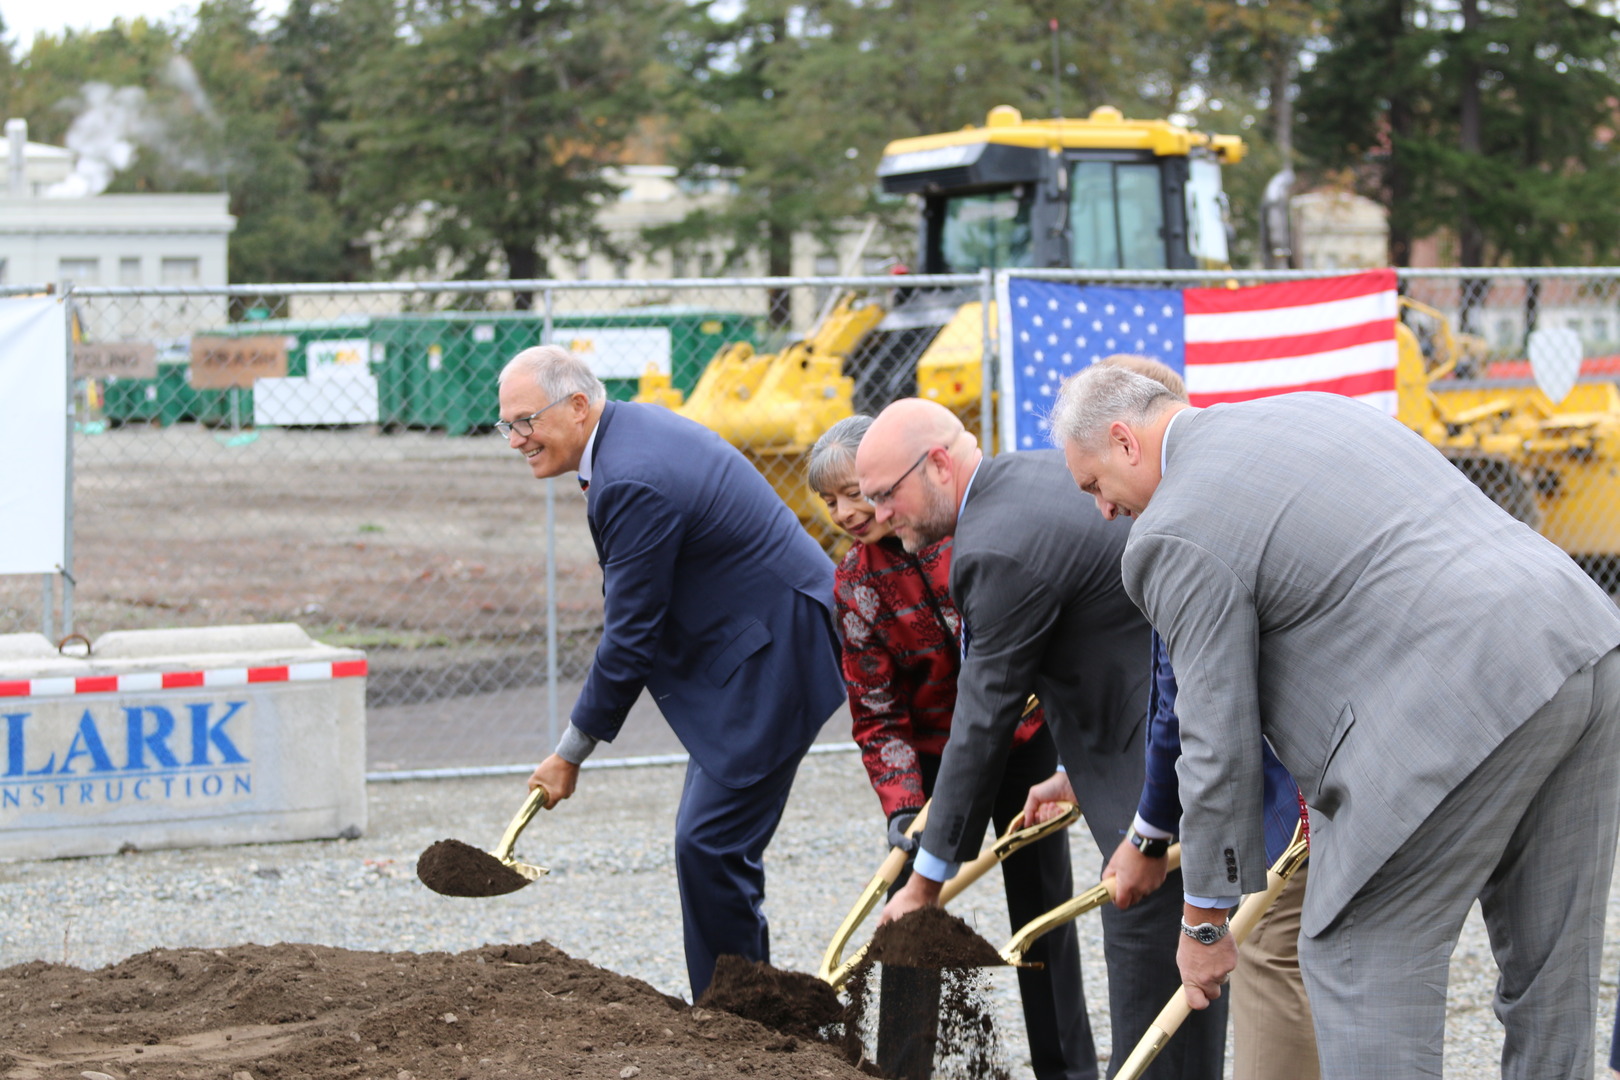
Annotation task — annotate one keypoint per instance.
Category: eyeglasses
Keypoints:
(524, 425)
(880, 498)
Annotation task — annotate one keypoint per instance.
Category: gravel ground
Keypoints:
(610, 897)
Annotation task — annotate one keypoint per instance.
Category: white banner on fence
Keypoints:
(33, 435)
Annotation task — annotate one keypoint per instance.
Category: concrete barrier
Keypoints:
(179, 738)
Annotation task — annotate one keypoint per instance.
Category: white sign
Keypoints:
(1555, 360)
(340, 398)
(323, 359)
(617, 352)
(33, 435)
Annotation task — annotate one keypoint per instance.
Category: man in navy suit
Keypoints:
(716, 601)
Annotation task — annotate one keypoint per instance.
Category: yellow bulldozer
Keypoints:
(1109, 193)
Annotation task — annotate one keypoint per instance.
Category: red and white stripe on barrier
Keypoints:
(174, 680)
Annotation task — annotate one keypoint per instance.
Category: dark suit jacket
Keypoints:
(1035, 574)
(716, 599)
(1161, 794)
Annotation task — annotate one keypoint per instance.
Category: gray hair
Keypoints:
(556, 371)
(834, 453)
(1088, 402)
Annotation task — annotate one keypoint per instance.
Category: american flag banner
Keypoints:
(1333, 334)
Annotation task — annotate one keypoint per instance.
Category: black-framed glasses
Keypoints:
(879, 498)
(524, 425)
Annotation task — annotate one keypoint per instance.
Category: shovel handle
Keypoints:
(834, 969)
(531, 806)
(1244, 920)
(1093, 898)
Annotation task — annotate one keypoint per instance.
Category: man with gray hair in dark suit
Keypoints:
(1035, 576)
(1440, 680)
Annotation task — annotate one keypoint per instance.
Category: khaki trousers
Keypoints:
(1272, 1036)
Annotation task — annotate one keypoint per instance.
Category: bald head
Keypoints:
(907, 428)
(913, 466)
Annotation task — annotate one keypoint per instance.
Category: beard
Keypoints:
(935, 523)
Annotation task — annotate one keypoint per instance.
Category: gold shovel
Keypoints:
(1093, 898)
(1248, 915)
(453, 868)
(837, 973)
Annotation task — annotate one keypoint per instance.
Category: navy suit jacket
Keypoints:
(1161, 794)
(716, 599)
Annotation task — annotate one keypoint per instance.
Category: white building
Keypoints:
(138, 240)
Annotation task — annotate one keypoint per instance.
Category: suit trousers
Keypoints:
(720, 838)
(1272, 1036)
(1140, 942)
(1531, 834)
(1035, 879)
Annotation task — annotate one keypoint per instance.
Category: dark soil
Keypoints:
(789, 1001)
(931, 937)
(457, 869)
(289, 1012)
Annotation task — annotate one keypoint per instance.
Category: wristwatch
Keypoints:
(1153, 847)
(1207, 933)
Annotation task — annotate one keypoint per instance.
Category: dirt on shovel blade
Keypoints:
(454, 868)
(787, 1001)
(931, 937)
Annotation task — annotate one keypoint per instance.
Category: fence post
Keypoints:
(66, 568)
(551, 577)
(987, 365)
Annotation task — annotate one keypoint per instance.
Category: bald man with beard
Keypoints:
(1036, 576)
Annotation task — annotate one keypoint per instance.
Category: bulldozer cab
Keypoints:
(1102, 193)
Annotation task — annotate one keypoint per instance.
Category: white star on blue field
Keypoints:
(1058, 329)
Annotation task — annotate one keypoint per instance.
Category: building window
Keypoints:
(582, 269)
(2, 271)
(621, 269)
(79, 271)
(677, 266)
(180, 271)
(129, 270)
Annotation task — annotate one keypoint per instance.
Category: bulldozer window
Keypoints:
(1207, 220)
(989, 230)
(1116, 216)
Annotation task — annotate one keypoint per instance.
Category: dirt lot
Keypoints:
(429, 552)
(297, 1011)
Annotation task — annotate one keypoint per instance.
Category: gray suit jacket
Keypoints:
(1323, 577)
(1035, 574)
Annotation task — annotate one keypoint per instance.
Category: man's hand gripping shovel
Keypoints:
(836, 971)
(1244, 920)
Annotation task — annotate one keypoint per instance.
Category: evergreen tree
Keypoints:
(1490, 120)
(480, 137)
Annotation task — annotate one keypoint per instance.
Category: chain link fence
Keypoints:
(325, 455)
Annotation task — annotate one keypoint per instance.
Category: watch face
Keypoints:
(1208, 935)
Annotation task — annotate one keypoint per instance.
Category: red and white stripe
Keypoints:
(1335, 334)
(179, 680)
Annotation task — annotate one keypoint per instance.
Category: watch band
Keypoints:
(1207, 933)
(1154, 847)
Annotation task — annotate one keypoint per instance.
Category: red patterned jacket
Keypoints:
(902, 649)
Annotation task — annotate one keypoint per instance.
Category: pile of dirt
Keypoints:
(931, 937)
(454, 868)
(287, 1012)
(938, 1021)
(788, 1001)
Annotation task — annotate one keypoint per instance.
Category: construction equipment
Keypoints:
(1108, 193)
(1553, 465)
(1102, 192)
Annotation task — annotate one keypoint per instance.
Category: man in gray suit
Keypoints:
(1036, 578)
(1440, 680)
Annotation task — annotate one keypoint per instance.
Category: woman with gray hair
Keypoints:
(901, 638)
